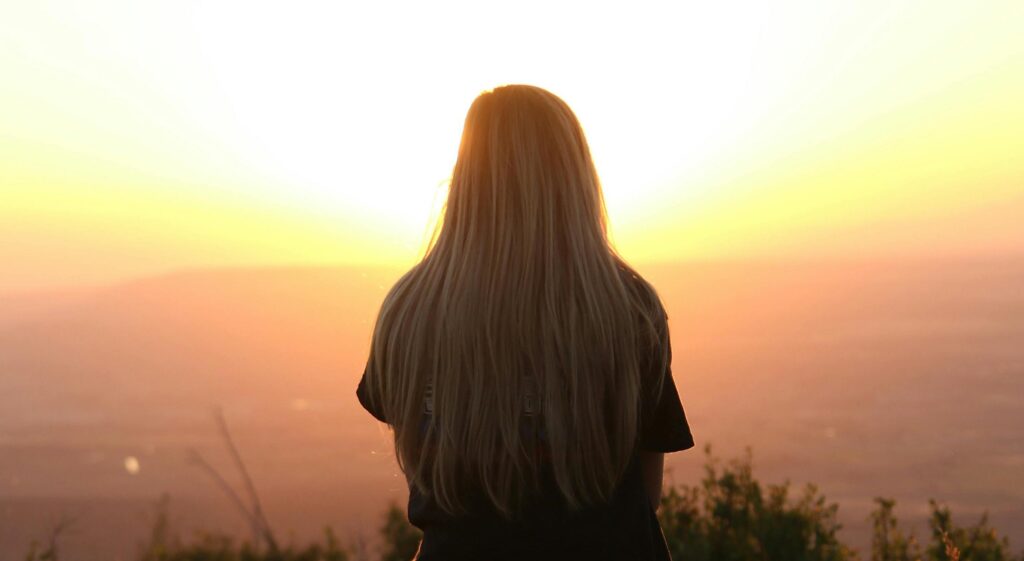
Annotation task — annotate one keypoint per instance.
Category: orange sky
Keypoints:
(139, 138)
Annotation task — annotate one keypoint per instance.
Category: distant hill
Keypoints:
(891, 378)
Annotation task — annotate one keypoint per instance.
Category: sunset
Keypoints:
(204, 204)
(140, 138)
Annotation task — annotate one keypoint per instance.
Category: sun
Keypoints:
(346, 112)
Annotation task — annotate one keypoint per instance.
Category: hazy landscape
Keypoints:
(892, 378)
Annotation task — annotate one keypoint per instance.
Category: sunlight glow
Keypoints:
(148, 136)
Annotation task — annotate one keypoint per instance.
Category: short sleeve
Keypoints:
(362, 392)
(663, 424)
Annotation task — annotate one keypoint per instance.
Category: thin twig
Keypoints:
(250, 488)
(59, 528)
(254, 522)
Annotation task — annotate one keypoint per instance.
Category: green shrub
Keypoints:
(730, 516)
(401, 540)
(888, 543)
(980, 542)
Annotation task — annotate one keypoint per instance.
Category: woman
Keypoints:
(523, 366)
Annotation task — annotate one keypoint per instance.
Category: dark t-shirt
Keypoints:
(624, 528)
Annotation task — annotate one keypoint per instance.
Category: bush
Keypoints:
(888, 542)
(401, 539)
(972, 543)
(730, 516)
(217, 547)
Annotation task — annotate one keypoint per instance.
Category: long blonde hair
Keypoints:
(520, 313)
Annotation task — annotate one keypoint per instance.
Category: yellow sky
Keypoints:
(140, 137)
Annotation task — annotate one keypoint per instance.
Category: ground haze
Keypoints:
(892, 378)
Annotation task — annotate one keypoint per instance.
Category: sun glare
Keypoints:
(718, 129)
(358, 120)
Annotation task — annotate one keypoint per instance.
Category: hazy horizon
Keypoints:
(72, 289)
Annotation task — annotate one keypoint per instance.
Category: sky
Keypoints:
(143, 137)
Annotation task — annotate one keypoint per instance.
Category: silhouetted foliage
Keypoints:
(888, 542)
(949, 542)
(165, 545)
(48, 551)
(975, 543)
(401, 539)
(730, 516)
(217, 547)
(162, 540)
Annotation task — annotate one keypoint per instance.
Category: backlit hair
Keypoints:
(520, 318)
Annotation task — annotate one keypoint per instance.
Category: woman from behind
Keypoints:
(522, 364)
